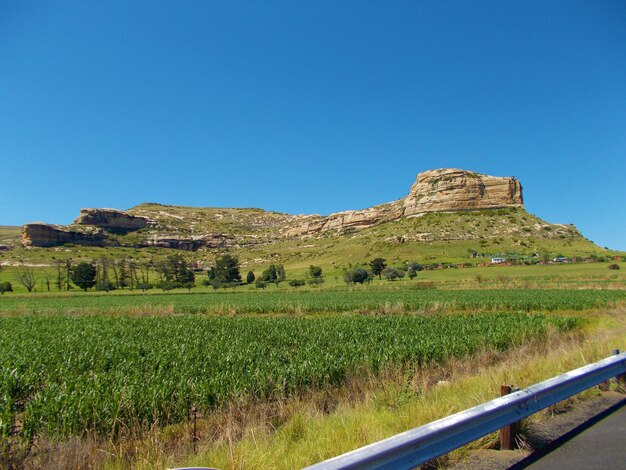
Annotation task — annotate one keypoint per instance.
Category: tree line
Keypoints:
(107, 274)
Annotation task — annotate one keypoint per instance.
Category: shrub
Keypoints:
(5, 287)
(167, 285)
(357, 275)
(391, 274)
(297, 282)
(275, 273)
(105, 286)
(260, 284)
(614, 266)
(144, 286)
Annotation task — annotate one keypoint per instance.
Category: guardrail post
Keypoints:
(621, 378)
(507, 433)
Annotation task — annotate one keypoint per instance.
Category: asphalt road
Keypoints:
(599, 444)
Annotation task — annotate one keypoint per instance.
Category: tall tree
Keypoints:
(378, 265)
(174, 273)
(68, 272)
(274, 273)
(250, 277)
(47, 276)
(315, 275)
(225, 271)
(59, 266)
(84, 276)
(26, 277)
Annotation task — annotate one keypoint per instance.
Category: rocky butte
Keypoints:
(442, 190)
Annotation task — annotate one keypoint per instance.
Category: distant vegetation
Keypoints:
(320, 300)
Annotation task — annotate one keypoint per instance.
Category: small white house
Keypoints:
(497, 260)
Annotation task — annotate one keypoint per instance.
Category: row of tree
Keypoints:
(106, 274)
(226, 273)
(378, 267)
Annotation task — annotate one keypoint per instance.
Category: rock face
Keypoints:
(191, 243)
(112, 220)
(447, 189)
(40, 234)
(450, 189)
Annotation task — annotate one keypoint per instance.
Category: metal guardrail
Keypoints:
(420, 445)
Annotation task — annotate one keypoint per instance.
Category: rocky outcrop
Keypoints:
(112, 220)
(450, 189)
(191, 243)
(447, 189)
(40, 234)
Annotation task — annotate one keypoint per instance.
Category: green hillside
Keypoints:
(440, 237)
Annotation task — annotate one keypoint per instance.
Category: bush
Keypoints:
(391, 274)
(105, 286)
(614, 266)
(357, 276)
(5, 287)
(275, 273)
(260, 284)
(167, 285)
(144, 286)
(217, 284)
(297, 282)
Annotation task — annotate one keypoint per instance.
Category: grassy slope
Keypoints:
(441, 237)
(10, 235)
(434, 237)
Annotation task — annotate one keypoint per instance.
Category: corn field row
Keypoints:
(70, 375)
(317, 300)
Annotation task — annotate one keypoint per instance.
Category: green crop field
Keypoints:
(64, 375)
(314, 301)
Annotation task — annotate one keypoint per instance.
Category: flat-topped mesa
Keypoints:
(112, 220)
(443, 190)
(450, 189)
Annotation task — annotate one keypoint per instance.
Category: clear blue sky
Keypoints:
(310, 106)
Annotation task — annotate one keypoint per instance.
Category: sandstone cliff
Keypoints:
(46, 235)
(112, 220)
(195, 228)
(447, 189)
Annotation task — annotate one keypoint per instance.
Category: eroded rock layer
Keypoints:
(111, 220)
(447, 189)
(191, 243)
(44, 235)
